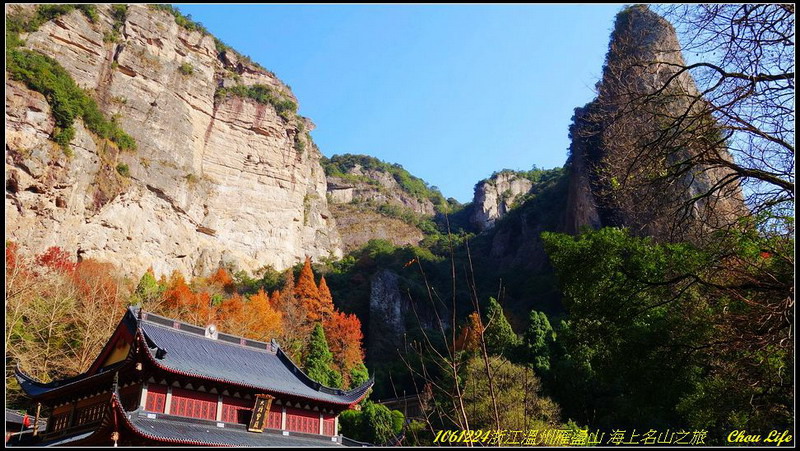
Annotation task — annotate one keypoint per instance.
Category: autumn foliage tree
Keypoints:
(325, 304)
(58, 313)
(183, 303)
(344, 338)
(307, 293)
(265, 321)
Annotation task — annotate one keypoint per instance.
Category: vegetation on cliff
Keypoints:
(285, 107)
(340, 166)
(46, 76)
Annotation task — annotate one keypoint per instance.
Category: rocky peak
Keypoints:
(362, 179)
(617, 178)
(495, 196)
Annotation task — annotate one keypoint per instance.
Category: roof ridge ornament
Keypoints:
(212, 332)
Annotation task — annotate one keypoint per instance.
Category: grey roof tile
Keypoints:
(191, 353)
(170, 428)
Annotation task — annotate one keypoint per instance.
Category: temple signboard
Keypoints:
(260, 412)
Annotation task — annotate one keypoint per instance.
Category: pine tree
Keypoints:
(319, 360)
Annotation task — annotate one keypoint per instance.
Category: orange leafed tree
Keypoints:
(344, 336)
(307, 293)
(223, 279)
(265, 322)
(184, 304)
(470, 335)
(326, 307)
(296, 328)
(275, 298)
(233, 316)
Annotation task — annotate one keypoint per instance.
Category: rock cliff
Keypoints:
(495, 196)
(363, 179)
(633, 160)
(371, 199)
(217, 176)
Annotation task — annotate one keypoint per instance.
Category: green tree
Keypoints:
(358, 375)
(518, 391)
(374, 423)
(500, 337)
(670, 335)
(538, 341)
(148, 292)
(319, 359)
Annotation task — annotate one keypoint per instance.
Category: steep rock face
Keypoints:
(494, 197)
(392, 314)
(369, 203)
(210, 182)
(617, 177)
(387, 309)
(385, 190)
(357, 225)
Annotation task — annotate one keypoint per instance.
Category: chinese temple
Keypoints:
(163, 382)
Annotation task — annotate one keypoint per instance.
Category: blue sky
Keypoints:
(451, 92)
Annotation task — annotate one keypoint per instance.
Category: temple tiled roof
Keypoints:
(35, 388)
(252, 365)
(178, 430)
(184, 349)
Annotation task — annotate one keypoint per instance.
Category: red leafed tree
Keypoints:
(11, 255)
(55, 258)
(344, 336)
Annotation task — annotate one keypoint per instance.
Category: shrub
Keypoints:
(299, 145)
(90, 11)
(186, 69)
(286, 108)
(64, 136)
(185, 22)
(123, 170)
(67, 100)
(111, 36)
(119, 13)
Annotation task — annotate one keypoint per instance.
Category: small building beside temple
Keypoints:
(164, 382)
